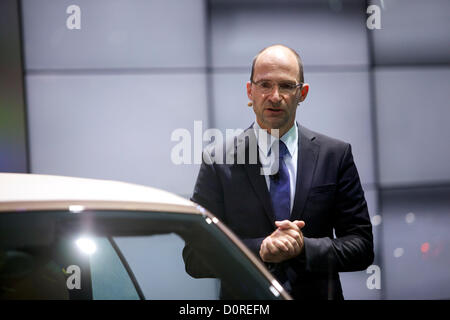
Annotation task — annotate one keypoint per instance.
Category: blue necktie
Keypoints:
(280, 192)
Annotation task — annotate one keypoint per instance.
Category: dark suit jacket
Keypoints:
(328, 196)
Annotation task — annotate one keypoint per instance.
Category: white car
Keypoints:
(76, 238)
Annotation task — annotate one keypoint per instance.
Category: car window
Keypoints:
(109, 278)
(157, 264)
(123, 255)
(74, 268)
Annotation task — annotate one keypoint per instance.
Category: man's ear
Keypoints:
(303, 92)
(249, 91)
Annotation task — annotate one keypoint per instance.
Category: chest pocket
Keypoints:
(321, 199)
(322, 190)
(319, 210)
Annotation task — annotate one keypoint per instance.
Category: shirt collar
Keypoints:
(290, 139)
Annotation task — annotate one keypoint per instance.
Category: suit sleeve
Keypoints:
(352, 249)
(208, 190)
(207, 193)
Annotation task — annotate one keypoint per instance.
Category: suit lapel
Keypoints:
(253, 171)
(308, 151)
(259, 185)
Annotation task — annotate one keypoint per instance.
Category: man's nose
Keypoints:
(275, 96)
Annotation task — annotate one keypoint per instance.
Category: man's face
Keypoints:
(276, 109)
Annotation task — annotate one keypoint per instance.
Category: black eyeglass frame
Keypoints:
(297, 85)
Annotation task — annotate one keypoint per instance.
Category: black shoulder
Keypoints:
(323, 140)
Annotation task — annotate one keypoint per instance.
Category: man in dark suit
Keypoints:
(287, 217)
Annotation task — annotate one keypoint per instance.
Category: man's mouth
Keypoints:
(275, 110)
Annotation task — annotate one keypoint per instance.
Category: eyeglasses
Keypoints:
(266, 86)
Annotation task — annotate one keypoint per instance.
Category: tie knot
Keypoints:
(283, 149)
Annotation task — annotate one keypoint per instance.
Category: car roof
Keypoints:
(24, 192)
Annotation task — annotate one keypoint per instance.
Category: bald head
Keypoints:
(276, 53)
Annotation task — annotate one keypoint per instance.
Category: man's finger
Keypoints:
(281, 245)
(286, 224)
(290, 245)
(299, 223)
(271, 247)
(283, 223)
(296, 235)
(265, 253)
(264, 250)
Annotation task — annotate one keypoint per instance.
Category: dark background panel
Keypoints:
(13, 137)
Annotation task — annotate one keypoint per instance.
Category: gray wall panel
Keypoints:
(321, 36)
(412, 115)
(115, 34)
(230, 101)
(413, 32)
(413, 270)
(338, 105)
(114, 127)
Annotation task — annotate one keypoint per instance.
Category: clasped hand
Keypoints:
(284, 243)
